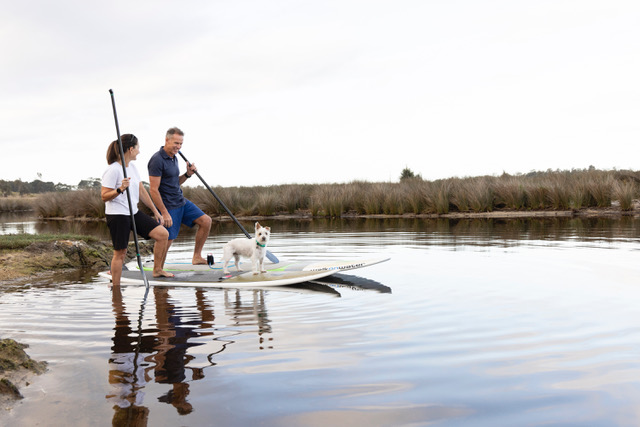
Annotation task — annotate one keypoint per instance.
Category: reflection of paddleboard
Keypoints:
(278, 274)
(341, 281)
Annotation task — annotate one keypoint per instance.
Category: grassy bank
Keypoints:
(17, 203)
(21, 241)
(77, 204)
(538, 191)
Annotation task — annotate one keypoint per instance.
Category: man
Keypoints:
(164, 187)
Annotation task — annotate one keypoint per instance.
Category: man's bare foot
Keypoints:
(198, 261)
(162, 273)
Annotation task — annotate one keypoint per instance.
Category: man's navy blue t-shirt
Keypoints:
(167, 169)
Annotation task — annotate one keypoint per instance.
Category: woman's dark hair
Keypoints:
(113, 152)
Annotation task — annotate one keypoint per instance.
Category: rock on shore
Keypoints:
(16, 368)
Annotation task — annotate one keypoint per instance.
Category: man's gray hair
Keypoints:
(174, 130)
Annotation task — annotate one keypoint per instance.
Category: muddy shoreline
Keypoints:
(16, 371)
(41, 260)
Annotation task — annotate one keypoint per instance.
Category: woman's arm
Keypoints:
(108, 194)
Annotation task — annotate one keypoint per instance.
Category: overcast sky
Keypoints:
(275, 92)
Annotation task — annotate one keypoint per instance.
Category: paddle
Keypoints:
(271, 256)
(124, 171)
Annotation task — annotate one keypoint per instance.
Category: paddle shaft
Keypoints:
(124, 171)
(271, 256)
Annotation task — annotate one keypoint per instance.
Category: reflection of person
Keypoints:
(126, 369)
(171, 358)
(164, 186)
(136, 356)
(117, 211)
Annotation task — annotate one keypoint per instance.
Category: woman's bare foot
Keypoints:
(198, 261)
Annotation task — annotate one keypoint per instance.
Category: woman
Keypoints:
(117, 208)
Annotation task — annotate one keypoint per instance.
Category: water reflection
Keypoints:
(445, 231)
(128, 370)
(16, 223)
(162, 355)
(174, 329)
(355, 283)
(490, 232)
(250, 313)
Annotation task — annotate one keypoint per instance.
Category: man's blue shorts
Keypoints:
(186, 215)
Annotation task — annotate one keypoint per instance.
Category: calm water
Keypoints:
(483, 323)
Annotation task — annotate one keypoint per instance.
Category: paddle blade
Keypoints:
(272, 258)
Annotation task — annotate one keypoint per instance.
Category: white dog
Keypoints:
(255, 249)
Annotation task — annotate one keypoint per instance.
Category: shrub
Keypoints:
(16, 203)
(510, 193)
(473, 194)
(537, 196)
(624, 193)
(600, 190)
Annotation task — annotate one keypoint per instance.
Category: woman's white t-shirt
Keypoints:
(112, 178)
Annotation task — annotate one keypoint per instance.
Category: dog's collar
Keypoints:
(258, 243)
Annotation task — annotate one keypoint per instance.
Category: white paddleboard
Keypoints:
(278, 274)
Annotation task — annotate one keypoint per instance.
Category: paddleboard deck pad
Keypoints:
(278, 274)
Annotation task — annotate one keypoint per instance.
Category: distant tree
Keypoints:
(38, 186)
(408, 174)
(18, 186)
(63, 187)
(90, 183)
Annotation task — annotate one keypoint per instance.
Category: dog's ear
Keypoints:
(268, 229)
(257, 225)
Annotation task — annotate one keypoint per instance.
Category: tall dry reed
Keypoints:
(81, 203)
(510, 193)
(625, 192)
(556, 190)
(17, 203)
(474, 195)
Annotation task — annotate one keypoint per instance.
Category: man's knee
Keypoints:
(204, 221)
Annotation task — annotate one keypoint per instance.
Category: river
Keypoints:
(470, 322)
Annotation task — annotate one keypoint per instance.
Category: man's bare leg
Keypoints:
(160, 235)
(204, 227)
(163, 256)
